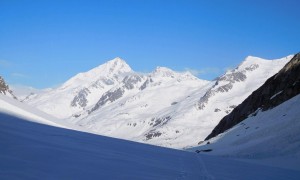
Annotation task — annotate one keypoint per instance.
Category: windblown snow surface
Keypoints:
(30, 150)
(270, 137)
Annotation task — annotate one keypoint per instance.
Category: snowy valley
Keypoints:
(243, 121)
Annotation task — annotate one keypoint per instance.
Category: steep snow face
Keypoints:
(268, 137)
(82, 91)
(249, 75)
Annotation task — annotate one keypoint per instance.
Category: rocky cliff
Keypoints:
(4, 89)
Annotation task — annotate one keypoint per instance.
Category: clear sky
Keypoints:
(43, 43)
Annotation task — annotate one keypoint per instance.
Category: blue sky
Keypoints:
(43, 43)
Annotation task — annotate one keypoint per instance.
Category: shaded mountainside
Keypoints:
(32, 150)
(279, 88)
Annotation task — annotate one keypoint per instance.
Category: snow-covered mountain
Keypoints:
(199, 113)
(266, 125)
(276, 90)
(164, 107)
(81, 91)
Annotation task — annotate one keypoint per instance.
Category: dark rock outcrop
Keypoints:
(159, 121)
(81, 98)
(152, 134)
(279, 88)
(4, 88)
(109, 96)
(130, 81)
(146, 83)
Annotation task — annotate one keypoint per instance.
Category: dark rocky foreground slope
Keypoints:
(279, 88)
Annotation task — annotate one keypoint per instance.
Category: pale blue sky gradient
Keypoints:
(43, 43)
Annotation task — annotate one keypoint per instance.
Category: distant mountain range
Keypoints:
(164, 107)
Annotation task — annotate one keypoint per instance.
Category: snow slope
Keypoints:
(270, 137)
(31, 150)
(15, 108)
(164, 107)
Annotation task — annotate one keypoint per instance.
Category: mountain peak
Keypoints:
(162, 69)
(116, 60)
(163, 72)
(252, 60)
(110, 69)
(115, 66)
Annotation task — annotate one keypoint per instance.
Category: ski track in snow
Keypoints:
(203, 171)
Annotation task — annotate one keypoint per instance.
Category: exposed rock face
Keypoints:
(279, 88)
(81, 98)
(146, 83)
(3, 86)
(4, 89)
(130, 81)
(225, 83)
(152, 134)
(109, 96)
(159, 121)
